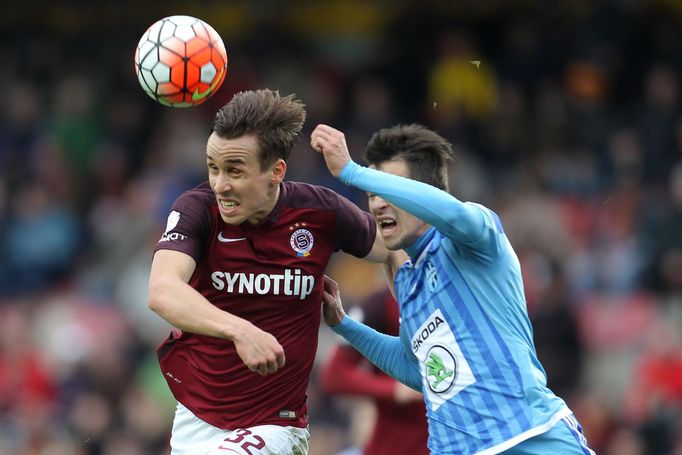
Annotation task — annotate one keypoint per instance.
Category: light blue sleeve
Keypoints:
(384, 351)
(459, 221)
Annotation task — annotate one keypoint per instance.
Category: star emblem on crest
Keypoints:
(297, 225)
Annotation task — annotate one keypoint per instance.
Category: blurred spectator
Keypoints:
(661, 239)
(462, 84)
(28, 388)
(556, 335)
(40, 241)
(657, 119)
(654, 400)
(77, 123)
(462, 90)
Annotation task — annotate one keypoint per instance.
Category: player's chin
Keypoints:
(232, 219)
(392, 242)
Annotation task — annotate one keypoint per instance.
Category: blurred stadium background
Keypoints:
(570, 128)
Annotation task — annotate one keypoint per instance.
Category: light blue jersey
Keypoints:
(466, 340)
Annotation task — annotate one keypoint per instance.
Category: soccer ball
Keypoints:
(180, 61)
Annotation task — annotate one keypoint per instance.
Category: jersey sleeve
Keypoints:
(187, 226)
(463, 223)
(355, 228)
(385, 351)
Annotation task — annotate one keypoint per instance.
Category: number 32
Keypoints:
(250, 440)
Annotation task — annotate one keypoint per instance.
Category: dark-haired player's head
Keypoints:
(252, 137)
(410, 151)
(424, 151)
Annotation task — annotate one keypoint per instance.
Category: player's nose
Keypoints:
(222, 184)
(377, 204)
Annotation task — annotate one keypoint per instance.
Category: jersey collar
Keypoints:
(417, 250)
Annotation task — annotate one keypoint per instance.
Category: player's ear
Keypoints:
(279, 170)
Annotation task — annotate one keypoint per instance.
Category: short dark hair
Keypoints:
(275, 122)
(424, 151)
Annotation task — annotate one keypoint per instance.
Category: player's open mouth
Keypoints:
(228, 206)
(387, 225)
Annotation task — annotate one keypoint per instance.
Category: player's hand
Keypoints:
(259, 350)
(331, 143)
(331, 303)
(403, 394)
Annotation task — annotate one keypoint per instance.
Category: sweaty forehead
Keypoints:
(243, 148)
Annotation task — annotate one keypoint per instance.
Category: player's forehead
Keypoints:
(396, 166)
(241, 149)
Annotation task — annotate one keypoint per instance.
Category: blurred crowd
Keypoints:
(566, 119)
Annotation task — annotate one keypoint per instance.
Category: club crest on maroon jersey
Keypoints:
(301, 240)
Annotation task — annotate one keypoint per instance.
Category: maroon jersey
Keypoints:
(400, 429)
(270, 274)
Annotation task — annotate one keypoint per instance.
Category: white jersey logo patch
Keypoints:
(445, 371)
(173, 220)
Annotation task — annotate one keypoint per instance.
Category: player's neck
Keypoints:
(274, 200)
(272, 203)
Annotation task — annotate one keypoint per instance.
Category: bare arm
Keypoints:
(379, 253)
(172, 298)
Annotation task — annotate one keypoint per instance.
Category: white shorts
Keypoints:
(193, 436)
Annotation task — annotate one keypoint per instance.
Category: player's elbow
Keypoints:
(158, 296)
(155, 301)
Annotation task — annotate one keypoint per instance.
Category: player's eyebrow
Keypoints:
(226, 161)
(234, 161)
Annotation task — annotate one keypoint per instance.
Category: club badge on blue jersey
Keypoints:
(431, 276)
